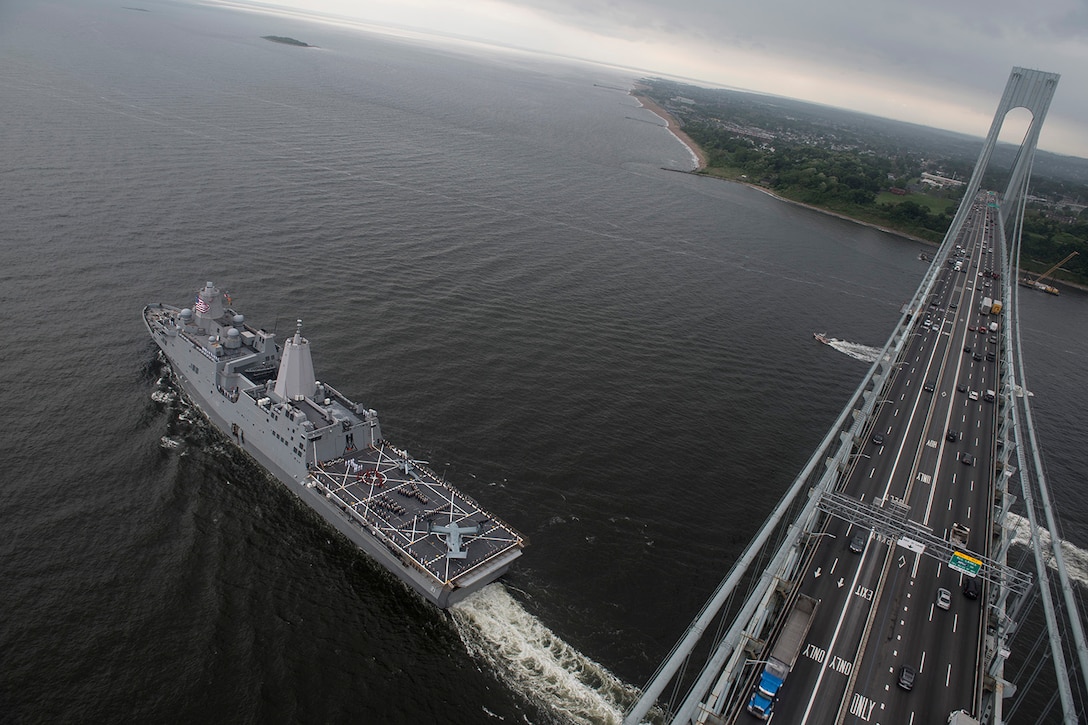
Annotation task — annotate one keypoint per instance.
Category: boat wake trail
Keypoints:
(536, 663)
(1076, 559)
(856, 350)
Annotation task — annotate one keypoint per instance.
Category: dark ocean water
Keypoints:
(487, 248)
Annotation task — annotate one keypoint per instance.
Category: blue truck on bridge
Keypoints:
(782, 657)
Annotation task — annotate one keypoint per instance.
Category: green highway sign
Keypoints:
(966, 563)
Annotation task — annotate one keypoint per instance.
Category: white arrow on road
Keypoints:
(840, 582)
(817, 572)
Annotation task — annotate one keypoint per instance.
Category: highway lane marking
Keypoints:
(955, 622)
(841, 666)
(969, 510)
(922, 664)
(831, 646)
(861, 706)
(948, 676)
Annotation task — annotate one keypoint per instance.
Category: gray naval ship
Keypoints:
(329, 450)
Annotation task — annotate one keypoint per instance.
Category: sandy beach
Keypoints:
(673, 126)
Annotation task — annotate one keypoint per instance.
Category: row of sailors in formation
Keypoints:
(412, 491)
(384, 502)
(387, 504)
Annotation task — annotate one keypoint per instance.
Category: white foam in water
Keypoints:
(865, 353)
(533, 661)
(170, 443)
(1076, 559)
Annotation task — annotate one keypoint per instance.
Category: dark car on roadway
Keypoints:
(970, 588)
(928, 387)
(906, 677)
(967, 459)
(857, 543)
(878, 439)
(952, 436)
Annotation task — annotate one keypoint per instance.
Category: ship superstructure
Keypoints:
(329, 450)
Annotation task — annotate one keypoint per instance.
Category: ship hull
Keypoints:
(241, 421)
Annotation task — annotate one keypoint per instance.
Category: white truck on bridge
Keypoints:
(783, 656)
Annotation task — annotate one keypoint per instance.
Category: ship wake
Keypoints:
(536, 663)
(856, 350)
(1075, 558)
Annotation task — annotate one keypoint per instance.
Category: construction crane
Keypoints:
(1037, 283)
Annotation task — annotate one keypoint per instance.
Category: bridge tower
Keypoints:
(1026, 88)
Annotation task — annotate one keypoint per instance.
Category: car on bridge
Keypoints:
(944, 598)
(857, 543)
(906, 677)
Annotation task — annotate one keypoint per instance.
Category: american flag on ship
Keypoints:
(201, 306)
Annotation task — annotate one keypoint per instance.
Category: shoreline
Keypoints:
(838, 215)
(701, 164)
(673, 127)
(700, 159)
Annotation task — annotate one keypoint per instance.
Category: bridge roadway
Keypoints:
(878, 607)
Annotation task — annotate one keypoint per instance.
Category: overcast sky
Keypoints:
(941, 63)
